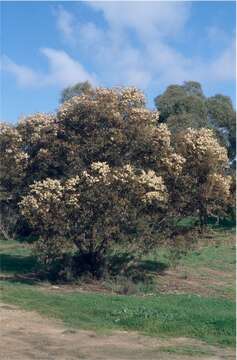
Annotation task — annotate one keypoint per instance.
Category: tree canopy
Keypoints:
(184, 106)
(104, 170)
(76, 90)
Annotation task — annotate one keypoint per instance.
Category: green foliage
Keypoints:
(179, 122)
(193, 88)
(222, 114)
(76, 90)
(183, 106)
(220, 110)
(182, 99)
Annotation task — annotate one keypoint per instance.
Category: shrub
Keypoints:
(102, 171)
(91, 212)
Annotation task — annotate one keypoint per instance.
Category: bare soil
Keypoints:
(26, 335)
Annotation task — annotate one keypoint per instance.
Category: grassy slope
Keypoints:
(207, 318)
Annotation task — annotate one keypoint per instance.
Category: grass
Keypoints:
(211, 320)
(208, 318)
(212, 257)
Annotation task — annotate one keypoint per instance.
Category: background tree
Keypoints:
(184, 106)
(184, 99)
(76, 90)
(193, 88)
(223, 116)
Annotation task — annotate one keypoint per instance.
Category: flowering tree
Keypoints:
(13, 159)
(39, 135)
(114, 126)
(13, 165)
(104, 170)
(91, 212)
(204, 185)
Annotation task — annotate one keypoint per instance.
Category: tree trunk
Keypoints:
(203, 217)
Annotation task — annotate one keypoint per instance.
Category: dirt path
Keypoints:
(28, 336)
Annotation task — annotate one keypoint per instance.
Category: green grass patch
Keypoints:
(216, 257)
(208, 319)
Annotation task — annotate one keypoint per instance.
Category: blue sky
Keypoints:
(46, 46)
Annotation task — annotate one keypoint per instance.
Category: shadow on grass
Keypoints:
(228, 223)
(16, 268)
(27, 279)
(26, 270)
(137, 270)
(153, 266)
(17, 263)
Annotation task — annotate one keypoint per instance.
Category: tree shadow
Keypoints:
(153, 266)
(118, 262)
(26, 270)
(27, 279)
(17, 268)
(17, 263)
(137, 270)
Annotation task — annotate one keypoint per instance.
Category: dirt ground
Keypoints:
(28, 336)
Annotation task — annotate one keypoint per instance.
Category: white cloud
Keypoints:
(65, 22)
(146, 18)
(135, 47)
(224, 68)
(63, 70)
(24, 75)
(112, 52)
(171, 66)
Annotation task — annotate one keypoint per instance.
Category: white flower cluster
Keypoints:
(151, 196)
(105, 96)
(21, 158)
(70, 192)
(203, 143)
(162, 135)
(12, 154)
(43, 197)
(32, 126)
(219, 185)
(69, 106)
(143, 116)
(103, 99)
(101, 167)
(72, 183)
(111, 102)
(155, 186)
(174, 163)
(8, 132)
(6, 129)
(132, 97)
